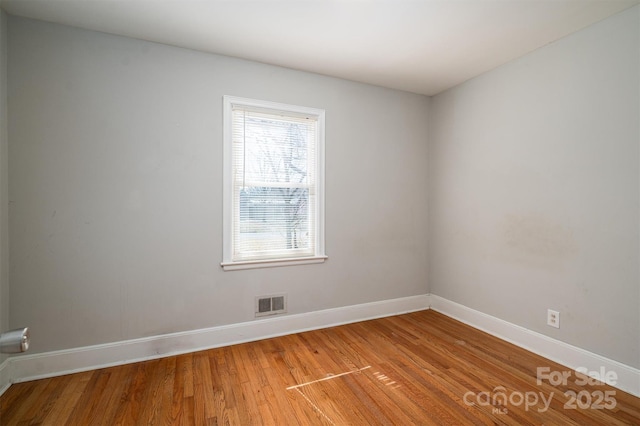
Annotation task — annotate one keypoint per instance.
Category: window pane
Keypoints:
(275, 151)
(273, 220)
(272, 156)
(273, 186)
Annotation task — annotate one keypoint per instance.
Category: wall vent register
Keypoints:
(271, 305)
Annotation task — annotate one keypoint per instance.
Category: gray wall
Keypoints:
(4, 186)
(115, 166)
(115, 187)
(534, 190)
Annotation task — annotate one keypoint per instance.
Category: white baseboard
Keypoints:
(49, 364)
(5, 378)
(628, 378)
(37, 366)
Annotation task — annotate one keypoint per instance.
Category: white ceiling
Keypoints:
(419, 46)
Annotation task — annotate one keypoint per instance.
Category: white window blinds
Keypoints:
(274, 182)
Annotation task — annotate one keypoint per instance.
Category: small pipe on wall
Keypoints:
(14, 341)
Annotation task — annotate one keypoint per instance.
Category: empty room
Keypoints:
(323, 212)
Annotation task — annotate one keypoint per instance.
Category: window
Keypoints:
(273, 184)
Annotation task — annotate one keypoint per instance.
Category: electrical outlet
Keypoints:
(553, 318)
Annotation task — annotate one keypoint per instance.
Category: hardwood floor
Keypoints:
(419, 368)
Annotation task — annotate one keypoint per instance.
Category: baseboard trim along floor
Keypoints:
(49, 364)
(626, 378)
(5, 378)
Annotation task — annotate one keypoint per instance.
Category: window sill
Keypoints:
(272, 263)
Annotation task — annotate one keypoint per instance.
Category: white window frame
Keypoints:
(228, 263)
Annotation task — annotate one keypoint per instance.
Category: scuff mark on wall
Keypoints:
(537, 239)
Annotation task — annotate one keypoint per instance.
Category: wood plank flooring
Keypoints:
(420, 368)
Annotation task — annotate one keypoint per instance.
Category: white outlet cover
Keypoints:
(553, 318)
